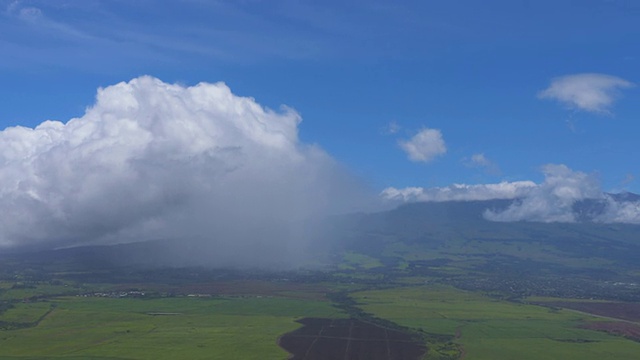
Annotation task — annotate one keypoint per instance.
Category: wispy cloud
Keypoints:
(628, 179)
(424, 146)
(391, 128)
(480, 161)
(224, 31)
(106, 32)
(135, 33)
(36, 18)
(588, 92)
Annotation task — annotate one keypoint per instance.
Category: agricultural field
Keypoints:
(249, 315)
(168, 328)
(445, 288)
(488, 328)
(321, 339)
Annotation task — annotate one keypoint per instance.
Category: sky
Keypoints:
(407, 98)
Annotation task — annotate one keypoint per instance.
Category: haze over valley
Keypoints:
(319, 180)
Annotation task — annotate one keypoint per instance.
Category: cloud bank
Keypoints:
(588, 92)
(424, 146)
(152, 160)
(620, 212)
(553, 200)
(460, 192)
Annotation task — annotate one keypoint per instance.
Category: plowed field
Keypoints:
(349, 339)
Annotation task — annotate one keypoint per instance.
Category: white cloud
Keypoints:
(30, 14)
(460, 192)
(426, 145)
(620, 212)
(628, 179)
(155, 160)
(482, 162)
(553, 200)
(588, 92)
(391, 128)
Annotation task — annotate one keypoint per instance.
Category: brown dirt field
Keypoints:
(349, 339)
(628, 330)
(616, 310)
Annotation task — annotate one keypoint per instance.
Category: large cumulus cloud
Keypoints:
(154, 160)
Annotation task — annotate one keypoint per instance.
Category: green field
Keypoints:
(456, 324)
(464, 286)
(191, 328)
(26, 312)
(8, 293)
(493, 329)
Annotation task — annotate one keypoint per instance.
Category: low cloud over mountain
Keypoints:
(154, 160)
(565, 195)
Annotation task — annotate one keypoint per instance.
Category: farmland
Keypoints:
(349, 339)
(488, 328)
(451, 323)
(192, 328)
(450, 289)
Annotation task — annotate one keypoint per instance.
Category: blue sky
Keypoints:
(366, 76)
